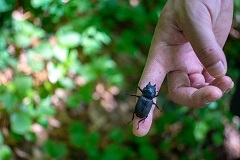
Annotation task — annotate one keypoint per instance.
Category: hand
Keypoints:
(187, 48)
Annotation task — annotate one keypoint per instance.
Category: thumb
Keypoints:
(198, 28)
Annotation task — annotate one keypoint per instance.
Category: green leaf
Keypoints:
(27, 109)
(218, 139)
(146, 150)
(67, 82)
(165, 145)
(209, 154)
(213, 106)
(37, 3)
(9, 101)
(35, 63)
(69, 39)
(1, 138)
(60, 53)
(116, 135)
(214, 119)
(55, 149)
(55, 72)
(43, 121)
(30, 136)
(20, 123)
(3, 44)
(45, 107)
(84, 94)
(7, 60)
(104, 63)
(186, 135)
(92, 145)
(73, 63)
(22, 41)
(6, 5)
(88, 71)
(93, 40)
(5, 152)
(73, 101)
(127, 37)
(237, 3)
(113, 151)
(83, 5)
(200, 131)
(28, 29)
(77, 134)
(90, 46)
(17, 137)
(45, 50)
(102, 37)
(23, 84)
(92, 32)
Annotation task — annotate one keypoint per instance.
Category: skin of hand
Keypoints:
(187, 48)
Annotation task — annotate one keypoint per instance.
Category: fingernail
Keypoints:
(217, 70)
(208, 99)
(198, 85)
(207, 102)
(230, 87)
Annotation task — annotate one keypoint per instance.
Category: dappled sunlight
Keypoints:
(66, 67)
(6, 76)
(134, 2)
(106, 96)
(20, 15)
(40, 132)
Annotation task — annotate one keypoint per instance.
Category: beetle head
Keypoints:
(149, 91)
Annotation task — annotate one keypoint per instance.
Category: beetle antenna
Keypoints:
(132, 95)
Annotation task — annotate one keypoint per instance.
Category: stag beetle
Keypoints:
(144, 102)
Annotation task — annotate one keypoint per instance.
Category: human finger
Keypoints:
(207, 76)
(197, 80)
(197, 26)
(225, 84)
(142, 128)
(154, 73)
(181, 92)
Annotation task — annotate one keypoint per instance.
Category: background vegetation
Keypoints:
(66, 66)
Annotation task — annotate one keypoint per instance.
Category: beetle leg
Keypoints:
(140, 89)
(131, 119)
(133, 95)
(141, 121)
(157, 106)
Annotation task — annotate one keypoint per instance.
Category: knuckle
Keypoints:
(205, 53)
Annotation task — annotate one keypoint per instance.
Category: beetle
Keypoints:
(144, 102)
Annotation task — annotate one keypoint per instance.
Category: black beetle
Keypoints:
(144, 102)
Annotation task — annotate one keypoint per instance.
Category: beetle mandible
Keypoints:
(144, 102)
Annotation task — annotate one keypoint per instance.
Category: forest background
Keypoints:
(66, 66)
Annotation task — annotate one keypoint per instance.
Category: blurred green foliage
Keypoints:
(65, 68)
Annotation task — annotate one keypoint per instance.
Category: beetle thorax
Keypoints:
(149, 91)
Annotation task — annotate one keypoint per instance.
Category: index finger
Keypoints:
(155, 74)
